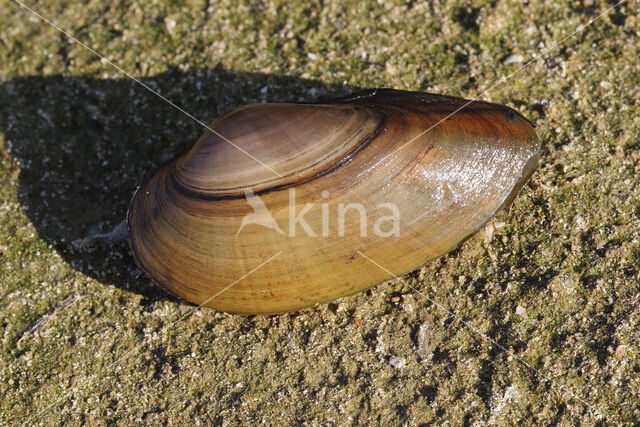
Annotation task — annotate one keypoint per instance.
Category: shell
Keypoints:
(217, 227)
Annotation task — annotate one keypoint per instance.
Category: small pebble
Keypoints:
(514, 58)
(521, 311)
(488, 232)
(397, 362)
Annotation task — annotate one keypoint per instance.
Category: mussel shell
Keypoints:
(186, 219)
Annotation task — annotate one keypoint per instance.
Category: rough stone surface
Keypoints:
(86, 338)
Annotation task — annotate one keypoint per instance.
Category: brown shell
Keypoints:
(186, 219)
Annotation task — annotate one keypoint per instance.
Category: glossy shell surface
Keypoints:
(336, 187)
